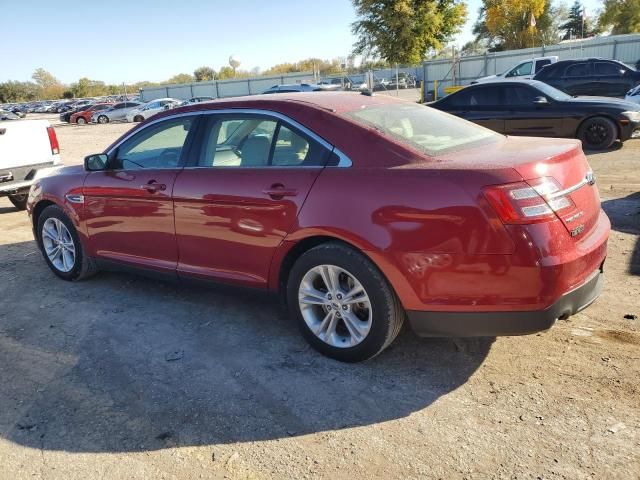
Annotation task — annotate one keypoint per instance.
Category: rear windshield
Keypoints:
(428, 130)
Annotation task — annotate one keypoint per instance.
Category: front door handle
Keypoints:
(152, 186)
(278, 191)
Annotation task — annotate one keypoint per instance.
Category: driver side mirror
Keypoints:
(96, 163)
(541, 100)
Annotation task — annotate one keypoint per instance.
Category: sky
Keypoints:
(128, 41)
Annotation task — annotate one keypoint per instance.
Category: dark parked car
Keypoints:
(468, 233)
(591, 76)
(531, 108)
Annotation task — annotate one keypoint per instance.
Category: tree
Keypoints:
(514, 24)
(225, 73)
(577, 24)
(181, 78)
(622, 16)
(402, 31)
(48, 85)
(13, 91)
(204, 74)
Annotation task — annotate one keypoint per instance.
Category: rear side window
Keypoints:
(542, 63)
(425, 129)
(578, 70)
(477, 96)
(606, 68)
(256, 141)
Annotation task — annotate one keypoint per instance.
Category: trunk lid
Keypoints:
(535, 158)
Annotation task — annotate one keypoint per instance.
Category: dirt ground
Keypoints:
(122, 377)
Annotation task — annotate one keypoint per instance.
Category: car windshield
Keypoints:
(552, 92)
(423, 128)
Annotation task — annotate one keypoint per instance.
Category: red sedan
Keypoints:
(362, 211)
(83, 117)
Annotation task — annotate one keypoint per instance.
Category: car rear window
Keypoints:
(425, 129)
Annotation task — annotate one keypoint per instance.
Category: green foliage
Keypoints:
(13, 91)
(574, 27)
(181, 78)
(204, 74)
(403, 31)
(622, 16)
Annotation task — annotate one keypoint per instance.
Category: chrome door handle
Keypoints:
(152, 186)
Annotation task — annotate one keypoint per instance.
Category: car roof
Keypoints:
(329, 101)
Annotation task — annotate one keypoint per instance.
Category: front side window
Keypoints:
(425, 129)
(516, 95)
(256, 141)
(606, 68)
(157, 146)
(522, 69)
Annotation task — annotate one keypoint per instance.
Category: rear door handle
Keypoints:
(152, 186)
(278, 191)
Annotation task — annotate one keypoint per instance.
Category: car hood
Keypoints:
(602, 101)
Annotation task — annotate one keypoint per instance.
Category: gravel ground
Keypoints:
(122, 377)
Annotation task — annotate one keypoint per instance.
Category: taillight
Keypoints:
(53, 141)
(527, 202)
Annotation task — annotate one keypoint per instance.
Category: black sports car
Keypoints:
(531, 108)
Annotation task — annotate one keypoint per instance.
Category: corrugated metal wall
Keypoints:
(223, 88)
(625, 48)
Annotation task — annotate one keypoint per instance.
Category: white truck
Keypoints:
(524, 70)
(26, 146)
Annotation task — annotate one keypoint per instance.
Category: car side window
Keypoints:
(157, 146)
(522, 69)
(606, 68)
(256, 141)
(516, 95)
(542, 63)
(578, 70)
(461, 99)
(484, 96)
(153, 105)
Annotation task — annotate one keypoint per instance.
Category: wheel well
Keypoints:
(298, 250)
(37, 210)
(618, 131)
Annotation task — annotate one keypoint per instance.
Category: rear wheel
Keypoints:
(19, 200)
(342, 303)
(103, 119)
(80, 121)
(138, 118)
(61, 247)
(597, 133)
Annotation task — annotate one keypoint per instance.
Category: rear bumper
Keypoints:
(491, 324)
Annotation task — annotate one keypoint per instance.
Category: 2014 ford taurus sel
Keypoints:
(360, 210)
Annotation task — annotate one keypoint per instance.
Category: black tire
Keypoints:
(84, 266)
(81, 121)
(19, 200)
(597, 133)
(387, 312)
(103, 119)
(138, 118)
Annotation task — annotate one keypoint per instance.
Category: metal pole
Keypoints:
(397, 84)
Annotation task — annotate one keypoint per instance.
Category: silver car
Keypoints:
(118, 112)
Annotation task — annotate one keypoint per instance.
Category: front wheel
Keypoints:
(103, 119)
(342, 303)
(60, 245)
(19, 200)
(81, 121)
(138, 118)
(597, 133)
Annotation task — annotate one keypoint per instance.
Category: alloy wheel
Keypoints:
(58, 245)
(335, 306)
